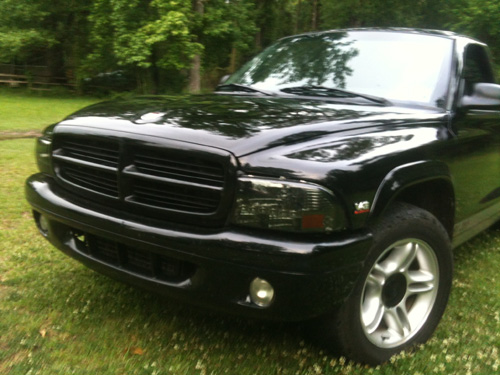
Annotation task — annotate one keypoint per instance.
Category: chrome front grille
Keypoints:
(174, 183)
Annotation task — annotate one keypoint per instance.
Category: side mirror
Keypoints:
(484, 95)
(224, 79)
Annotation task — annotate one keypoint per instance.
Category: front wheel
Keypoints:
(402, 291)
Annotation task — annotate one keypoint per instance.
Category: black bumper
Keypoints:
(310, 277)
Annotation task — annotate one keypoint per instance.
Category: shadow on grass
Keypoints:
(98, 302)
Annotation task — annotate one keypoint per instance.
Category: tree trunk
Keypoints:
(314, 16)
(260, 9)
(195, 75)
(145, 81)
(195, 72)
(297, 16)
(233, 61)
(258, 40)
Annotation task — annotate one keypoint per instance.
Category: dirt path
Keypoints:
(4, 135)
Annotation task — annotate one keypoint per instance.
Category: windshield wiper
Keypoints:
(331, 92)
(241, 88)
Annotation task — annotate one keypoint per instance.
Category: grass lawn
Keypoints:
(22, 111)
(57, 317)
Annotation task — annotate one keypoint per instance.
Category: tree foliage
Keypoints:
(161, 43)
(141, 36)
(478, 18)
(21, 29)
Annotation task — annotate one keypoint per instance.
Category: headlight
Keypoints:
(43, 150)
(286, 205)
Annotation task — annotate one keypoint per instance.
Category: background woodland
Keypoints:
(163, 46)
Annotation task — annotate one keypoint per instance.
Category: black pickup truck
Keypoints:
(329, 178)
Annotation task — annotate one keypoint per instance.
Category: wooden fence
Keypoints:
(38, 77)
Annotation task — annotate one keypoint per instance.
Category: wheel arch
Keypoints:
(425, 184)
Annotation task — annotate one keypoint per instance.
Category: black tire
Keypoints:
(402, 291)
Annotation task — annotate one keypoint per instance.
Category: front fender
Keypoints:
(406, 176)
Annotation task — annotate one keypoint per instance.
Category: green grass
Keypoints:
(57, 317)
(21, 111)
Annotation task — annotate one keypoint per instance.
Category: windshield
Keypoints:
(393, 65)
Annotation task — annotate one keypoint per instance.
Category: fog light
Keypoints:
(261, 292)
(42, 223)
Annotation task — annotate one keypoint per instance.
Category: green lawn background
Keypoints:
(24, 111)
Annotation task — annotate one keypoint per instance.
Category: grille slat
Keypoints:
(89, 163)
(163, 196)
(93, 151)
(173, 174)
(87, 184)
(149, 178)
(160, 193)
(173, 203)
(96, 180)
(87, 176)
(201, 166)
(172, 166)
(140, 261)
(105, 250)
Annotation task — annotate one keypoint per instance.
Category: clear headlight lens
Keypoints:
(287, 206)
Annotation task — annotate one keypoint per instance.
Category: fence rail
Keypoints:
(38, 79)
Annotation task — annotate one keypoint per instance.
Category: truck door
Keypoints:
(475, 164)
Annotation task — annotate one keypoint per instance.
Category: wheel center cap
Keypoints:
(394, 290)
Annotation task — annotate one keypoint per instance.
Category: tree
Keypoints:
(171, 45)
(273, 20)
(43, 32)
(227, 31)
(195, 72)
(142, 36)
(477, 18)
(21, 31)
(369, 13)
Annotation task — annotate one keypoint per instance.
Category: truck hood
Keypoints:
(239, 124)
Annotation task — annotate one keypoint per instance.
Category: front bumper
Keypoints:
(310, 277)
